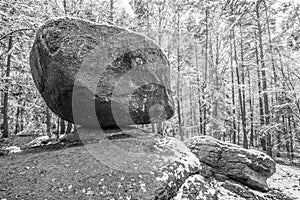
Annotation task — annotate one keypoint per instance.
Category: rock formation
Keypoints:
(228, 172)
(90, 74)
(137, 165)
(229, 161)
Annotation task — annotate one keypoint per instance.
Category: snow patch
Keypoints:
(13, 149)
(286, 179)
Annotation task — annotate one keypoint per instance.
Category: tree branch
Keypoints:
(15, 31)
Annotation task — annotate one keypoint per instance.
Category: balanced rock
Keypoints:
(229, 161)
(93, 74)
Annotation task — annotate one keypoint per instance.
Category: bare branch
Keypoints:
(15, 31)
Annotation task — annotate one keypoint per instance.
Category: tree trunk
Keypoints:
(48, 119)
(159, 127)
(5, 98)
(69, 128)
(238, 127)
(199, 92)
(205, 72)
(191, 104)
(216, 132)
(251, 111)
(178, 78)
(232, 90)
(58, 127)
(271, 53)
(242, 115)
(65, 7)
(242, 98)
(261, 106)
(111, 13)
(264, 80)
(22, 116)
(286, 137)
(19, 108)
(17, 125)
(291, 138)
(153, 127)
(62, 127)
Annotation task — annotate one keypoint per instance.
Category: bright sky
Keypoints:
(125, 4)
(119, 4)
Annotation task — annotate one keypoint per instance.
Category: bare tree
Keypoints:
(5, 98)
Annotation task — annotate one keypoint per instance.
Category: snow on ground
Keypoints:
(13, 149)
(287, 179)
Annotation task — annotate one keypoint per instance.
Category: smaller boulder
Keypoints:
(229, 161)
(198, 187)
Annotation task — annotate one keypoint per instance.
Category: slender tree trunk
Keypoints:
(5, 98)
(69, 128)
(264, 80)
(205, 72)
(216, 131)
(295, 127)
(17, 125)
(48, 119)
(2, 74)
(239, 89)
(111, 13)
(191, 103)
(279, 141)
(58, 127)
(261, 106)
(153, 128)
(238, 127)
(22, 115)
(251, 111)
(75, 129)
(62, 127)
(159, 125)
(178, 78)
(271, 53)
(65, 7)
(286, 137)
(160, 20)
(291, 141)
(242, 97)
(17, 120)
(199, 92)
(232, 91)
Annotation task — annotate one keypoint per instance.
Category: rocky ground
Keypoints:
(77, 171)
(287, 179)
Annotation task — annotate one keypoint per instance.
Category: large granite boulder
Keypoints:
(228, 161)
(90, 74)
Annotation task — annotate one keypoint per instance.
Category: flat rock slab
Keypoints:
(150, 167)
(92, 74)
(128, 164)
(224, 160)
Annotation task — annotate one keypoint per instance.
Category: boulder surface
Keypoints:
(228, 161)
(136, 165)
(198, 187)
(90, 74)
(128, 164)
